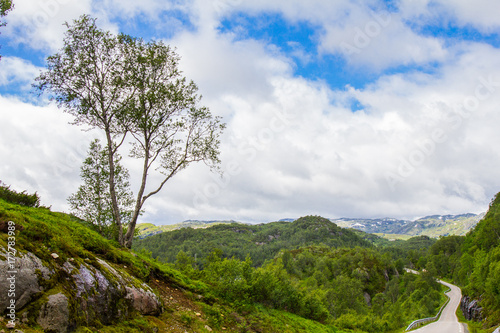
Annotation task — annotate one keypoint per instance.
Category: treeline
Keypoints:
(20, 198)
(348, 288)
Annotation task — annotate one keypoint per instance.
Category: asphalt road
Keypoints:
(448, 322)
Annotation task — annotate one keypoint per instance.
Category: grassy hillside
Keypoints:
(189, 305)
(260, 242)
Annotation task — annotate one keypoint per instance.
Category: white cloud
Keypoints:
(324, 159)
(221, 66)
(40, 150)
(40, 24)
(16, 71)
(480, 14)
(365, 33)
(380, 41)
(292, 146)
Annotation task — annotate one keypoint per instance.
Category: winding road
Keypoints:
(448, 322)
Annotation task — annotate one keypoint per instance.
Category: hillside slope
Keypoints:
(473, 263)
(64, 277)
(479, 266)
(149, 229)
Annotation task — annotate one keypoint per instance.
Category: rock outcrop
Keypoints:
(471, 309)
(60, 298)
(25, 279)
(54, 315)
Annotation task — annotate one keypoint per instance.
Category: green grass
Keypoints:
(394, 236)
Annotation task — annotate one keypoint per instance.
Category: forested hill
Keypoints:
(261, 242)
(478, 268)
(77, 280)
(149, 229)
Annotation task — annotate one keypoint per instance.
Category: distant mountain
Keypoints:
(432, 226)
(286, 220)
(149, 229)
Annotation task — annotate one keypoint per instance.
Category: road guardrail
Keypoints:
(419, 322)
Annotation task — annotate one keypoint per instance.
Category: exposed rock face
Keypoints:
(106, 294)
(25, 279)
(368, 298)
(80, 294)
(471, 309)
(143, 301)
(54, 315)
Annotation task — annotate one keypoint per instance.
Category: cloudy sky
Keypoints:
(345, 108)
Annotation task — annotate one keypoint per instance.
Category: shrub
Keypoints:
(20, 198)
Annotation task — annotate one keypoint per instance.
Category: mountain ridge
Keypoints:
(431, 225)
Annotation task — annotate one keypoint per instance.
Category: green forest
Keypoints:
(342, 277)
(310, 267)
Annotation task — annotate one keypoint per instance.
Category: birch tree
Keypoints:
(86, 78)
(170, 129)
(125, 86)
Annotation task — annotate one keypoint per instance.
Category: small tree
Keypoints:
(92, 201)
(123, 85)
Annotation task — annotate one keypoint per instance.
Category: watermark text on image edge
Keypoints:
(11, 273)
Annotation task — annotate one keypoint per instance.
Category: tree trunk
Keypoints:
(129, 236)
(112, 191)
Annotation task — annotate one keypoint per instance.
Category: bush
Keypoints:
(19, 198)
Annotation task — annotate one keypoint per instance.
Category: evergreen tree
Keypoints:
(92, 201)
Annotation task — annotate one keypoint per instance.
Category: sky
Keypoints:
(345, 108)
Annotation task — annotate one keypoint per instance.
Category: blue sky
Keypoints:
(346, 108)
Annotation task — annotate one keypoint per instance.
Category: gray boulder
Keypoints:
(95, 293)
(54, 315)
(23, 278)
